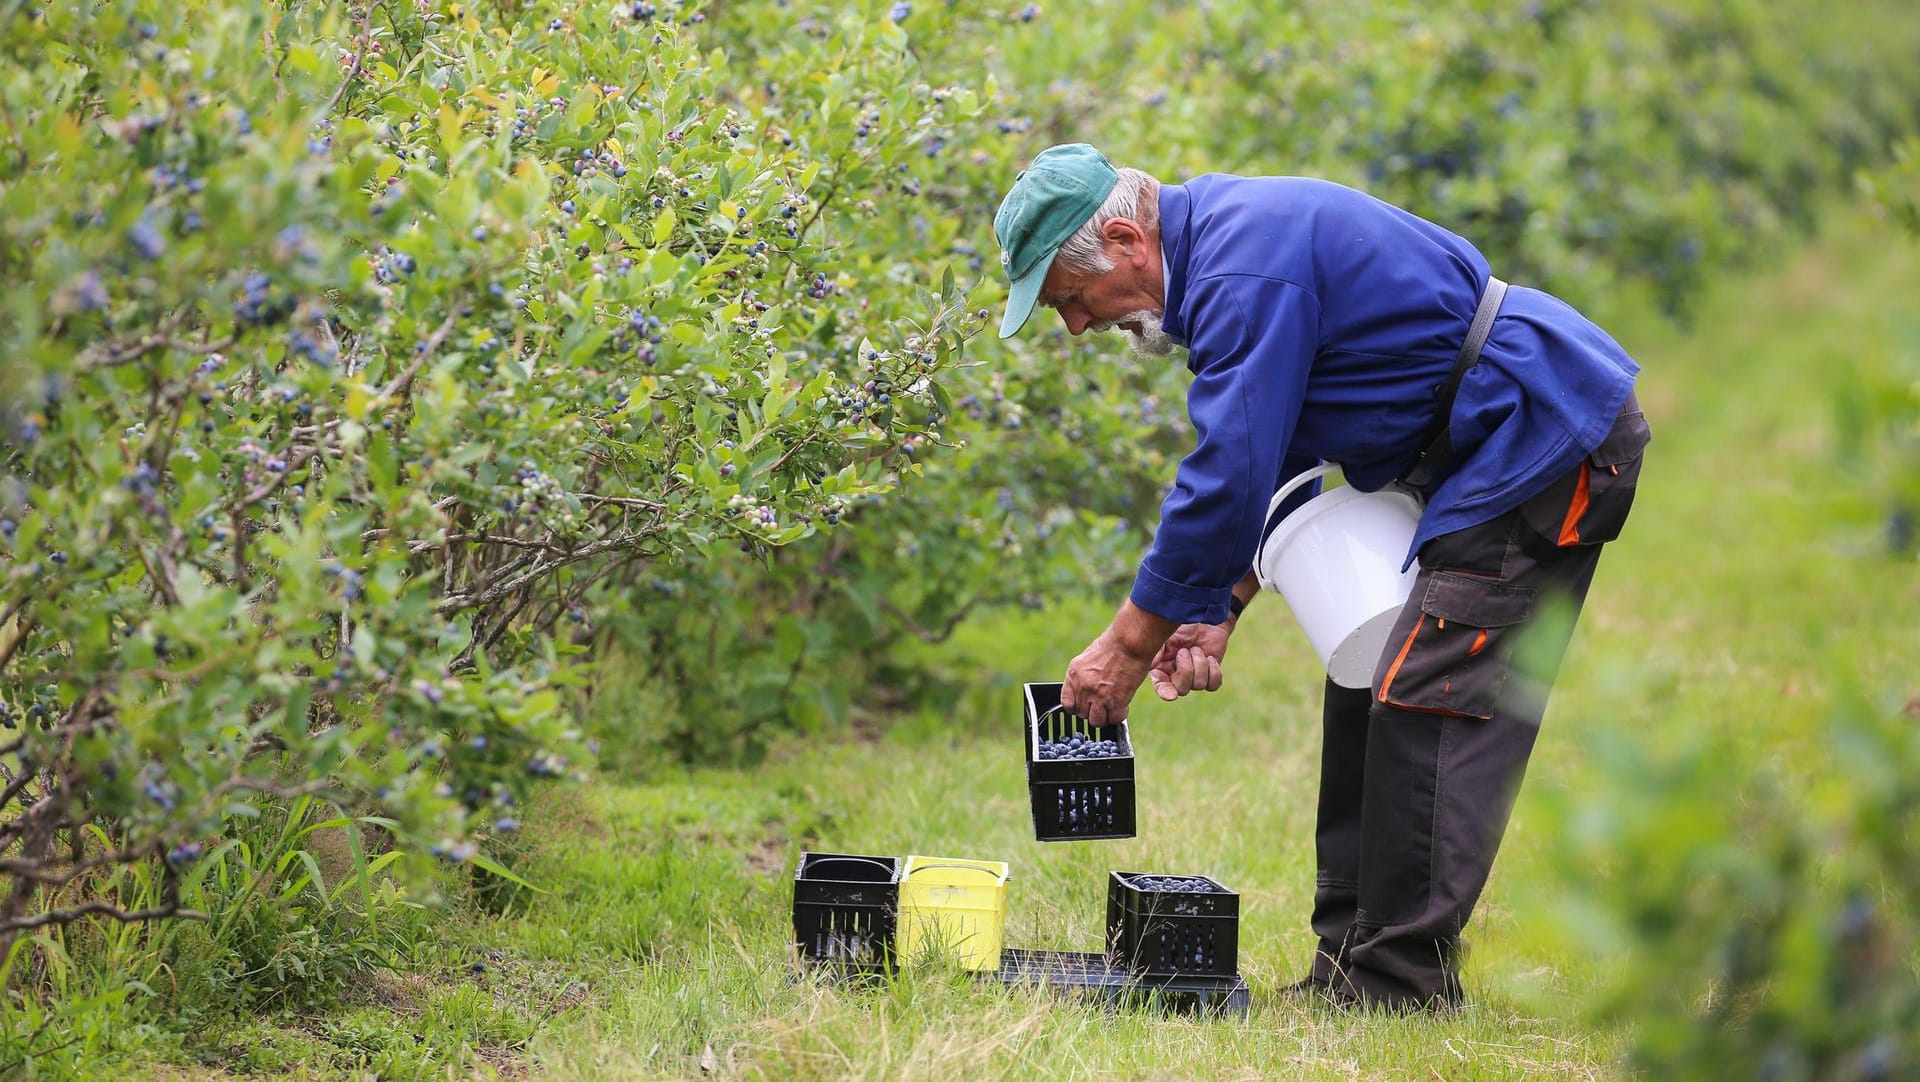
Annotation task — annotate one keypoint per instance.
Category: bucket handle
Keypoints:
(1286, 490)
(1052, 710)
(1061, 711)
(830, 858)
(969, 867)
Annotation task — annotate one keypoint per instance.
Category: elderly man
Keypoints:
(1325, 325)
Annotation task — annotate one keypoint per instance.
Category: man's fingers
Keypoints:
(1163, 685)
(1214, 677)
(1183, 673)
(1197, 665)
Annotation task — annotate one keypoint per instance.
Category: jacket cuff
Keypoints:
(1178, 602)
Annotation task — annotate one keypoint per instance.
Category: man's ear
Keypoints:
(1126, 234)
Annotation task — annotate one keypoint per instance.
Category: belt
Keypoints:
(1439, 438)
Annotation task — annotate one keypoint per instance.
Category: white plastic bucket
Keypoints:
(1336, 559)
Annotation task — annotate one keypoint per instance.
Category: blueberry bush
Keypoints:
(355, 352)
(1757, 923)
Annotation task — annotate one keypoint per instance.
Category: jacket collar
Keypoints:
(1175, 246)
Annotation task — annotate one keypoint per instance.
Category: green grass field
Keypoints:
(1751, 576)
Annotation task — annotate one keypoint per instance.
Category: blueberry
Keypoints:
(146, 240)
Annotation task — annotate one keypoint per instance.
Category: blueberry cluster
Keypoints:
(146, 239)
(643, 331)
(1174, 884)
(258, 306)
(1077, 746)
(1184, 946)
(392, 268)
(1085, 809)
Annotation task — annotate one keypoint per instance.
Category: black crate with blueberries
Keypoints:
(1080, 777)
(1172, 925)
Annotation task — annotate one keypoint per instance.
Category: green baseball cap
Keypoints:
(1058, 192)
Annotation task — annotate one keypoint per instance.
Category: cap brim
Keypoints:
(1021, 297)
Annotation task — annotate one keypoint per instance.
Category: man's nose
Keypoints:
(1076, 321)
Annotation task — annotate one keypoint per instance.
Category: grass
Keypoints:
(1750, 576)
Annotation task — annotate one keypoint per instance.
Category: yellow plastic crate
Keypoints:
(953, 905)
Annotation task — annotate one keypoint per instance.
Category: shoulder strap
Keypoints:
(1440, 433)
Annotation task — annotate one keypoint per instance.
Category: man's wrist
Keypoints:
(1138, 632)
(1240, 597)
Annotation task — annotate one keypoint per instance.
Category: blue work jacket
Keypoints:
(1319, 322)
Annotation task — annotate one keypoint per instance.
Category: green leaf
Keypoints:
(493, 867)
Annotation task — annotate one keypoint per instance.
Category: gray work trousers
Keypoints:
(1419, 771)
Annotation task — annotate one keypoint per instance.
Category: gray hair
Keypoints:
(1131, 198)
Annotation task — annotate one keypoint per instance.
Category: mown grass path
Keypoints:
(1750, 571)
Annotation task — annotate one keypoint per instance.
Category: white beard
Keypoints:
(1150, 340)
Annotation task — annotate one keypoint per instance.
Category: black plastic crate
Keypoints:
(846, 910)
(1076, 799)
(1172, 931)
(1093, 976)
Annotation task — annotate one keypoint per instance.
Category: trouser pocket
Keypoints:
(1451, 657)
(1589, 505)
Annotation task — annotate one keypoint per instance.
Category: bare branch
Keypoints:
(619, 501)
(359, 62)
(115, 354)
(97, 909)
(491, 593)
(161, 576)
(928, 634)
(403, 382)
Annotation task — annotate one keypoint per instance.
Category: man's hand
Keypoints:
(1190, 660)
(1101, 682)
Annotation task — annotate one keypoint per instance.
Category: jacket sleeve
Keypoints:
(1252, 343)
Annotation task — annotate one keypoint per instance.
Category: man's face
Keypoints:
(1129, 297)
